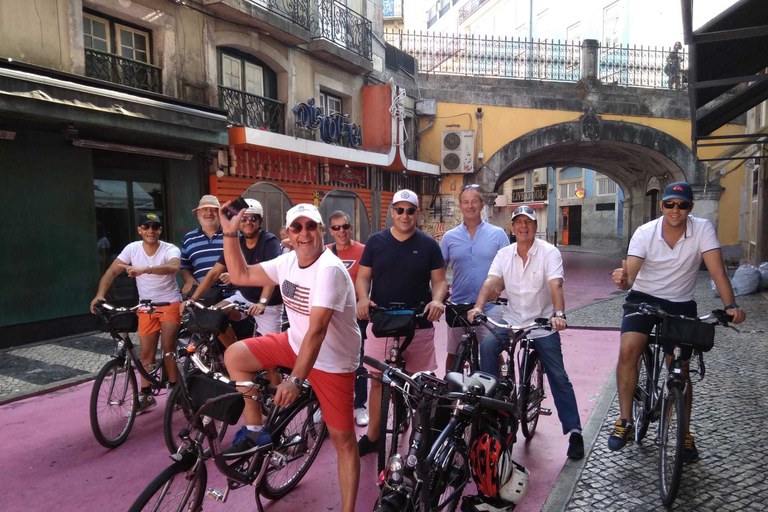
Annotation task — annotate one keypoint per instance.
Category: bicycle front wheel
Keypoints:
(448, 479)
(531, 395)
(177, 488)
(672, 444)
(296, 446)
(114, 400)
(641, 402)
(391, 425)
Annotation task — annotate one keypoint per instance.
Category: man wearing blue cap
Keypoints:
(663, 259)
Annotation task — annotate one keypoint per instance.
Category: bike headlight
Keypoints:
(396, 463)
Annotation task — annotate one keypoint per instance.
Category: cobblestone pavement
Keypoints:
(729, 425)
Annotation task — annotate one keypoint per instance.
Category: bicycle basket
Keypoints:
(694, 333)
(126, 321)
(398, 322)
(204, 321)
(456, 316)
(202, 388)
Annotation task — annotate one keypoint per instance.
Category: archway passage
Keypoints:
(631, 154)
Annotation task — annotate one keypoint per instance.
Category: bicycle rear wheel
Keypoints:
(531, 395)
(393, 422)
(671, 444)
(114, 400)
(641, 402)
(177, 415)
(296, 446)
(177, 488)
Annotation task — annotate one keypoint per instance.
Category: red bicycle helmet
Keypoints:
(484, 454)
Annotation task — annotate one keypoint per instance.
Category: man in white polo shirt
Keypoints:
(531, 270)
(663, 259)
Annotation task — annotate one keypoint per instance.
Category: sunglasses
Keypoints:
(345, 227)
(252, 218)
(682, 205)
(523, 209)
(147, 227)
(409, 211)
(467, 187)
(296, 227)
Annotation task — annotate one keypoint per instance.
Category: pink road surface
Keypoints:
(51, 460)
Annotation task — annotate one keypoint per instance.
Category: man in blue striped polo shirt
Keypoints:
(202, 247)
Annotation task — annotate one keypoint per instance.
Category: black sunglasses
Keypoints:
(154, 226)
(400, 211)
(682, 205)
(297, 227)
(252, 218)
(345, 227)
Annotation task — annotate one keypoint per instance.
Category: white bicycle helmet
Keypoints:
(254, 207)
(515, 477)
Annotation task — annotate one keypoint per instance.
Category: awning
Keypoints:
(728, 56)
(112, 111)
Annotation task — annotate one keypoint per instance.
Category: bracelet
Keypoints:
(231, 235)
(731, 306)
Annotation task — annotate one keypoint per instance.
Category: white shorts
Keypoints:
(268, 322)
(494, 312)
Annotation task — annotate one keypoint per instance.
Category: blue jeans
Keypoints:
(551, 356)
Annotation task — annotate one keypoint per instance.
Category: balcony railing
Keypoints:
(528, 196)
(657, 67)
(469, 8)
(119, 70)
(341, 25)
(296, 11)
(253, 111)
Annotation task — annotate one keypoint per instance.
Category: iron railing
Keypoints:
(120, 70)
(253, 111)
(657, 67)
(341, 25)
(296, 11)
(470, 7)
(490, 56)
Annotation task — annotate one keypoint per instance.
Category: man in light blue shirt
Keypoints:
(470, 248)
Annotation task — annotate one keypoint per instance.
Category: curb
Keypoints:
(56, 386)
(569, 476)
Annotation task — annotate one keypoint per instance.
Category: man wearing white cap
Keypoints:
(264, 303)
(531, 270)
(402, 262)
(201, 249)
(322, 344)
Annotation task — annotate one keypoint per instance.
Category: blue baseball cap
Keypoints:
(678, 190)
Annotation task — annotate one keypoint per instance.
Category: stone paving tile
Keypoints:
(729, 420)
(85, 360)
(34, 371)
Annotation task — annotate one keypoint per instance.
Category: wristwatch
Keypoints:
(296, 381)
(560, 314)
(263, 301)
(731, 306)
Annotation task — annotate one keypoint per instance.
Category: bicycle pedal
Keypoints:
(214, 494)
(545, 411)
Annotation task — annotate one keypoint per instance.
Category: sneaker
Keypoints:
(690, 453)
(366, 446)
(146, 402)
(576, 446)
(246, 441)
(317, 417)
(623, 433)
(361, 416)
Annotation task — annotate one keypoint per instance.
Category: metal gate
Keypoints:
(351, 204)
(275, 203)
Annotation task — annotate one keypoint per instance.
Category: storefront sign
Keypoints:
(348, 175)
(334, 128)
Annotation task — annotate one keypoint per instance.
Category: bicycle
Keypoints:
(529, 396)
(114, 398)
(395, 321)
(297, 436)
(467, 356)
(665, 402)
(433, 475)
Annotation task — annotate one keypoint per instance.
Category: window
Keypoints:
(573, 33)
(605, 207)
(518, 183)
(568, 190)
(242, 74)
(612, 20)
(606, 187)
(96, 33)
(330, 104)
(132, 43)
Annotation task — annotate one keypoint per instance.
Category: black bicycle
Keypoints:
(274, 469)
(664, 401)
(528, 393)
(115, 397)
(396, 322)
(467, 358)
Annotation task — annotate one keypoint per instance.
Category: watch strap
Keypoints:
(731, 306)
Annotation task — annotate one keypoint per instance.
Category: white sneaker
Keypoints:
(318, 416)
(361, 416)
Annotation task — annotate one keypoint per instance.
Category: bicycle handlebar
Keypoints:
(239, 306)
(123, 309)
(539, 323)
(720, 316)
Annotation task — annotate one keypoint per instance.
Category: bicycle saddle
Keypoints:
(458, 382)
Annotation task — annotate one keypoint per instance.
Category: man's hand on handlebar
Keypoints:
(286, 393)
(472, 313)
(434, 310)
(737, 314)
(364, 308)
(95, 301)
(256, 309)
(558, 324)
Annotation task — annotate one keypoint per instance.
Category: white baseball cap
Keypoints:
(406, 195)
(309, 211)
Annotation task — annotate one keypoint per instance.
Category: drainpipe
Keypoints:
(479, 138)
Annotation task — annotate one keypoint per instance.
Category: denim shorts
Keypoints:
(644, 323)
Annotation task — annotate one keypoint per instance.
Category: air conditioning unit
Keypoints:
(458, 152)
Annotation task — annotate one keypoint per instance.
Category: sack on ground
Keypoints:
(746, 280)
(763, 268)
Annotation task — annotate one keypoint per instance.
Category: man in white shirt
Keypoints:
(322, 344)
(154, 264)
(531, 271)
(663, 259)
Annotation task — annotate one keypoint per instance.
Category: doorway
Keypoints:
(275, 203)
(351, 204)
(571, 225)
